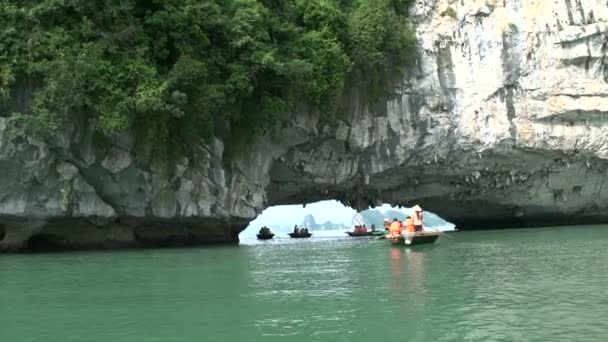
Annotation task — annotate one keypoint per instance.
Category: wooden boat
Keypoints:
(368, 233)
(410, 239)
(265, 236)
(299, 236)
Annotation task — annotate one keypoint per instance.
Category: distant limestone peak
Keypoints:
(308, 222)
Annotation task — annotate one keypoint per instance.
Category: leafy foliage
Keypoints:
(173, 70)
(450, 12)
(513, 27)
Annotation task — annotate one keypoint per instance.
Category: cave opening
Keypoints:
(330, 218)
(40, 243)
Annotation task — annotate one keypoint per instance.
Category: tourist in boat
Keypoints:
(395, 229)
(373, 227)
(387, 223)
(358, 224)
(417, 219)
(409, 225)
(296, 231)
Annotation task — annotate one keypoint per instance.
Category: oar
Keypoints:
(442, 233)
(366, 241)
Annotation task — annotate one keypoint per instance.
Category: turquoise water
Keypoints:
(510, 285)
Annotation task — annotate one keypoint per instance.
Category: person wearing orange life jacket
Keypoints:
(394, 229)
(409, 225)
(417, 219)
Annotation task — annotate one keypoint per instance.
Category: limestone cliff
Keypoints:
(502, 123)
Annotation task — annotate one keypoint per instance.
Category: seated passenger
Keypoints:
(395, 229)
(409, 225)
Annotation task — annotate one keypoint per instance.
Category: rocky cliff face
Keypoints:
(502, 122)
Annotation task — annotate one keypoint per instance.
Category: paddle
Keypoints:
(440, 232)
(366, 241)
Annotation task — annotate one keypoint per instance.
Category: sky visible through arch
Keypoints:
(322, 211)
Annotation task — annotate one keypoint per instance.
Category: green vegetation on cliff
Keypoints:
(177, 69)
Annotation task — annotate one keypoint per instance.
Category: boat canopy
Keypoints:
(358, 220)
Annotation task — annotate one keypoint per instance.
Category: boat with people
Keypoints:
(265, 234)
(410, 232)
(415, 238)
(360, 228)
(299, 233)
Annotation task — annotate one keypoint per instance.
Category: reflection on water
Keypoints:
(407, 270)
(396, 260)
(524, 285)
(415, 268)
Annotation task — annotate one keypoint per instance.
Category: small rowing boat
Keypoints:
(299, 236)
(417, 238)
(265, 236)
(359, 228)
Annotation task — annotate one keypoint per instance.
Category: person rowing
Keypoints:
(417, 218)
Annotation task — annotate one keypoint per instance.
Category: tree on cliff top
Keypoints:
(176, 70)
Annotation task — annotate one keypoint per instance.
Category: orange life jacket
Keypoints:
(409, 225)
(395, 229)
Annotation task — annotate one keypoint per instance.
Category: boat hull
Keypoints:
(411, 239)
(299, 236)
(265, 237)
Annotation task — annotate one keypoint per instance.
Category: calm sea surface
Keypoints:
(508, 285)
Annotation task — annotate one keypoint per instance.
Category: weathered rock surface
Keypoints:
(503, 122)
